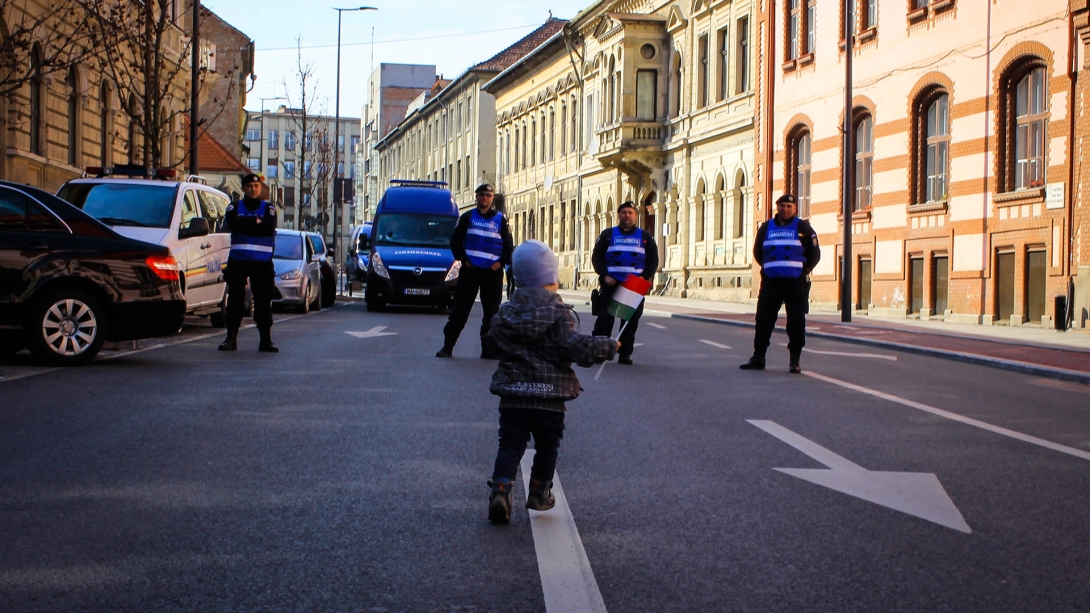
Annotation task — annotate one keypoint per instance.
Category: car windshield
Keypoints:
(124, 204)
(414, 230)
(288, 247)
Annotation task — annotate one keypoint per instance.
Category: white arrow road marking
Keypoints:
(917, 494)
(634, 345)
(566, 576)
(373, 332)
(876, 356)
(714, 344)
(655, 325)
(1025, 438)
(858, 331)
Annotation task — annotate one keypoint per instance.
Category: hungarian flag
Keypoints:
(628, 297)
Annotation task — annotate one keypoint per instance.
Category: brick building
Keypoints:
(230, 73)
(962, 196)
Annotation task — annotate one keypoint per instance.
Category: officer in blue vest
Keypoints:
(482, 243)
(787, 249)
(252, 223)
(621, 251)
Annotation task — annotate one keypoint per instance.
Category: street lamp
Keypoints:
(337, 130)
(264, 137)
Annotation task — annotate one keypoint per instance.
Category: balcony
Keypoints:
(625, 142)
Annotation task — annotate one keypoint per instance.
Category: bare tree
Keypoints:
(314, 157)
(144, 51)
(37, 40)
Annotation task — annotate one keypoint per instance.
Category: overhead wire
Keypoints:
(399, 40)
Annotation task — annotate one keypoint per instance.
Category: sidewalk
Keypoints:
(1034, 350)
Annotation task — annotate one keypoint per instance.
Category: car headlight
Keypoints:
(361, 262)
(380, 269)
(291, 275)
(452, 274)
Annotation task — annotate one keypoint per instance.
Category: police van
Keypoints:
(410, 261)
(183, 215)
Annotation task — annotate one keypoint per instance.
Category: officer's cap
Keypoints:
(787, 198)
(484, 187)
(251, 178)
(627, 204)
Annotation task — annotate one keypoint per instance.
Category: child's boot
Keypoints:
(541, 496)
(499, 501)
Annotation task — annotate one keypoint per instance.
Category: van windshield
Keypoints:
(124, 204)
(413, 230)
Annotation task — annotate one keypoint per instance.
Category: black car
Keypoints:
(68, 283)
(329, 275)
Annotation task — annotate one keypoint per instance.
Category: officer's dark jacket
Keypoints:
(651, 252)
(248, 226)
(457, 241)
(807, 237)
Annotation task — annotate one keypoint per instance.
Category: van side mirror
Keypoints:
(198, 226)
(329, 252)
(365, 243)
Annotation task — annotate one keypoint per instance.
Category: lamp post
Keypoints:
(264, 137)
(337, 131)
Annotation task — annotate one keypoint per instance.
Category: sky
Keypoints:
(451, 35)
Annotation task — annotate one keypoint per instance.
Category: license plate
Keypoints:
(416, 291)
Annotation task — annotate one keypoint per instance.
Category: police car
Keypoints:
(184, 215)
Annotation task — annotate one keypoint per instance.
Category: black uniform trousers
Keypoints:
(516, 426)
(603, 326)
(262, 276)
(793, 295)
(471, 280)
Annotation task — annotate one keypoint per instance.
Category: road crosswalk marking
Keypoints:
(715, 344)
(655, 325)
(566, 576)
(876, 356)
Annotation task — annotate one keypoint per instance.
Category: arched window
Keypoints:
(798, 168)
(543, 138)
(507, 154)
(533, 141)
(931, 157)
(720, 217)
(37, 140)
(574, 124)
(698, 217)
(864, 162)
(131, 141)
(552, 133)
(612, 90)
(106, 124)
(675, 87)
(517, 159)
(1024, 115)
(740, 206)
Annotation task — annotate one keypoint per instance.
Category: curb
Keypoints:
(1061, 374)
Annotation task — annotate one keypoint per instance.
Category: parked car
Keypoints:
(359, 252)
(185, 216)
(411, 262)
(68, 283)
(298, 271)
(329, 273)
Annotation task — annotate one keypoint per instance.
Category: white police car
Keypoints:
(183, 215)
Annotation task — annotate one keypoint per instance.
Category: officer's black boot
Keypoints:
(266, 343)
(757, 362)
(499, 501)
(794, 368)
(231, 342)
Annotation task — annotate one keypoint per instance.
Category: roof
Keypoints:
(504, 59)
(211, 154)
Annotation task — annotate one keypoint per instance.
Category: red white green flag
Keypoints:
(628, 297)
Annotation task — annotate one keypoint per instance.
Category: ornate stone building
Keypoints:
(639, 100)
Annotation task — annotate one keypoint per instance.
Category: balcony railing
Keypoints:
(629, 134)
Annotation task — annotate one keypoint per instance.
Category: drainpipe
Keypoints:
(1073, 73)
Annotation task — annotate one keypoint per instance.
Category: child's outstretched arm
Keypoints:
(583, 349)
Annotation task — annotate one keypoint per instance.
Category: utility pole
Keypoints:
(194, 112)
(847, 166)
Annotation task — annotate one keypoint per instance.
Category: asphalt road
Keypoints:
(347, 473)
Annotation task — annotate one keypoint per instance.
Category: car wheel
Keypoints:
(66, 328)
(304, 308)
(218, 319)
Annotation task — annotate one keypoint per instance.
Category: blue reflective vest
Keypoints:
(483, 242)
(625, 255)
(783, 255)
(252, 248)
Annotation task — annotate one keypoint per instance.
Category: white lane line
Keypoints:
(876, 356)
(655, 325)
(714, 344)
(566, 576)
(1025, 438)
